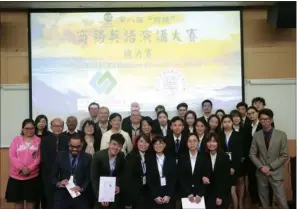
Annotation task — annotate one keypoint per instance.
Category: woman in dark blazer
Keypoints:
(162, 126)
(214, 124)
(245, 137)
(201, 130)
(230, 141)
(135, 189)
(215, 174)
(91, 144)
(189, 171)
(189, 122)
(161, 176)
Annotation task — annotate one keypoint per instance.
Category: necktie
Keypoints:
(73, 163)
(143, 166)
(57, 143)
(177, 145)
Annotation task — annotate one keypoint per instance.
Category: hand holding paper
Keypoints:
(187, 204)
(72, 188)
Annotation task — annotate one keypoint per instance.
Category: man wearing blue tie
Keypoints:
(71, 167)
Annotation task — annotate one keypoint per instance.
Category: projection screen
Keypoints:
(116, 58)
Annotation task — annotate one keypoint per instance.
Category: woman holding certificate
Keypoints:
(136, 193)
(189, 172)
(215, 174)
(161, 176)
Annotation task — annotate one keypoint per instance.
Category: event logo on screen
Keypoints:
(103, 82)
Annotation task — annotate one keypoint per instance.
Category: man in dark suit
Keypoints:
(133, 128)
(158, 109)
(182, 109)
(242, 108)
(207, 109)
(103, 123)
(50, 146)
(71, 123)
(76, 165)
(176, 142)
(109, 162)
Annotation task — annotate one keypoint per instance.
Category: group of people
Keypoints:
(156, 162)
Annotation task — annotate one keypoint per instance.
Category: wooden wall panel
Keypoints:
(268, 52)
(14, 48)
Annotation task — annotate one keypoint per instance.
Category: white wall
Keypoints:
(280, 96)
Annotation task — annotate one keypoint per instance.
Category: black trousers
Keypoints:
(63, 200)
(144, 201)
(210, 202)
(253, 185)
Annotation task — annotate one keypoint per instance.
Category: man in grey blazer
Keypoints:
(269, 153)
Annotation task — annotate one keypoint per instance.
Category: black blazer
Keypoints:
(219, 177)
(170, 145)
(246, 137)
(62, 169)
(153, 177)
(247, 122)
(48, 148)
(235, 147)
(133, 176)
(191, 183)
(100, 167)
(97, 143)
(99, 132)
(156, 129)
(202, 149)
(250, 129)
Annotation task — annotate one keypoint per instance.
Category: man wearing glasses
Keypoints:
(71, 168)
(269, 152)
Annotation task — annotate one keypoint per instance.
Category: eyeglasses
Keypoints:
(265, 119)
(158, 144)
(75, 147)
(29, 129)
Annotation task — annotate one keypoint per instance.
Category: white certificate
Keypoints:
(107, 187)
(186, 204)
(69, 186)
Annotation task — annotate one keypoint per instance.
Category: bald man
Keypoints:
(127, 121)
(71, 123)
(50, 146)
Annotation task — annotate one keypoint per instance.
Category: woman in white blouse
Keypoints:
(115, 120)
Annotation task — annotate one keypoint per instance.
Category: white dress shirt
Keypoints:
(254, 127)
(103, 128)
(164, 130)
(236, 128)
(191, 129)
(127, 146)
(193, 161)
(213, 160)
(160, 163)
(228, 138)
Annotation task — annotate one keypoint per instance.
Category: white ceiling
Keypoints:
(130, 4)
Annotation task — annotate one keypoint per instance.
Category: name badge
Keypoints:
(230, 155)
(163, 181)
(176, 161)
(144, 180)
